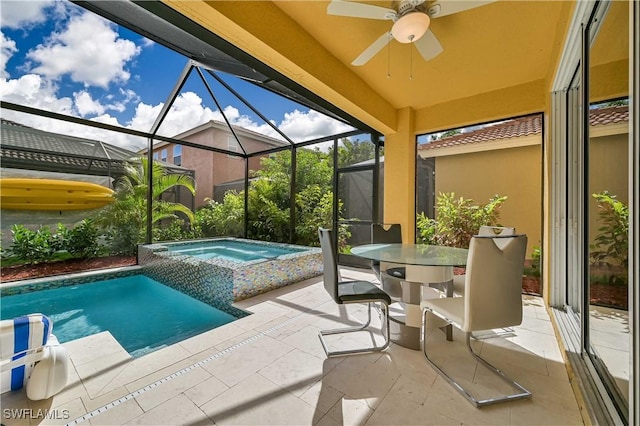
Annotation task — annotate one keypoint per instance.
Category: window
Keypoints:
(177, 155)
(232, 145)
(163, 155)
(155, 156)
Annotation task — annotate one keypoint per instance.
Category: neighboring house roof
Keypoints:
(24, 147)
(524, 126)
(222, 126)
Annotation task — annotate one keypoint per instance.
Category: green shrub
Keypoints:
(82, 240)
(611, 244)
(174, 230)
(123, 239)
(33, 246)
(534, 268)
(427, 229)
(222, 219)
(457, 220)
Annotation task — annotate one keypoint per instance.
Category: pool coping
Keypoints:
(68, 279)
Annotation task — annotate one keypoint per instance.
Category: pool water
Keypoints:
(231, 250)
(142, 314)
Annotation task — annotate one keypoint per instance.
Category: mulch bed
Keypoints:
(22, 272)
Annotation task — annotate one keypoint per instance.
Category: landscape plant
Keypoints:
(611, 244)
(82, 241)
(33, 246)
(457, 220)
(269, 198)
(534, 267)
(125, 219)
(42, 245)
(221, 219)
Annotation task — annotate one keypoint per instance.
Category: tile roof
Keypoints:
(609, 115)
(28, 148)
(523, 126)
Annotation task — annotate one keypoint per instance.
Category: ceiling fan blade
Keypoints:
(428, 46)
(359, 10)
(449, 7)
(372, 50)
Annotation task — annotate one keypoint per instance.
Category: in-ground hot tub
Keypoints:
(224, 270)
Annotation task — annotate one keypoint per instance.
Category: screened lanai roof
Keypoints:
(164, 25)
(207, 54)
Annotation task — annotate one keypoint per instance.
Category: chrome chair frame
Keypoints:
(370, 295)
(523, 394)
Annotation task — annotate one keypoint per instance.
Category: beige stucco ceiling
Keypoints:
(491, 48)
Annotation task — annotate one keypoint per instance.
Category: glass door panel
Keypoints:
(606, 202)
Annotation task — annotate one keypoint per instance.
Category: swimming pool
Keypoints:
(141, 313)
(220, 271)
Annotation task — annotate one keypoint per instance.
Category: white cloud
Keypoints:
(303, 126)
(89, 50)
(20, 14)
(7, 49)
(186, 112)
(34, 91)
(86, 105)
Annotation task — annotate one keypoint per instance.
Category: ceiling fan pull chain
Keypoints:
(411, 58)
(389, 60)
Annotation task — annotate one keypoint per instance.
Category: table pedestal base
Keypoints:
(404, 335)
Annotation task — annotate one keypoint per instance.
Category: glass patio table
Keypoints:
(426, 266)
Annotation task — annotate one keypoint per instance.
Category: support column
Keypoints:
(399, 175)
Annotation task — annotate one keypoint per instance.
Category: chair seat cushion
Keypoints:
(449, 308)
(356, 291)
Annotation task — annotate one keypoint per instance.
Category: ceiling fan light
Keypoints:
(410, 27)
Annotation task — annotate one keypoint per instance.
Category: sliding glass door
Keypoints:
(596, 206)
(606, 200)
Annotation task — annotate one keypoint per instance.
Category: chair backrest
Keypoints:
(492, 231)
(330, 265)
(493, 282)
(381, 233)
(22, 341)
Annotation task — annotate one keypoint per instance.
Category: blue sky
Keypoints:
(59, 57)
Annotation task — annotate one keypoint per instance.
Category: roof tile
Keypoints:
(524, 126)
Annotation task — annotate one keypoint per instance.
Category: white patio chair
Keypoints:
(492, 299)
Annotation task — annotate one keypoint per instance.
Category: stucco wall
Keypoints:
(514, 172)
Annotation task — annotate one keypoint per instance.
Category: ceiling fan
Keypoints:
(411, 22)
